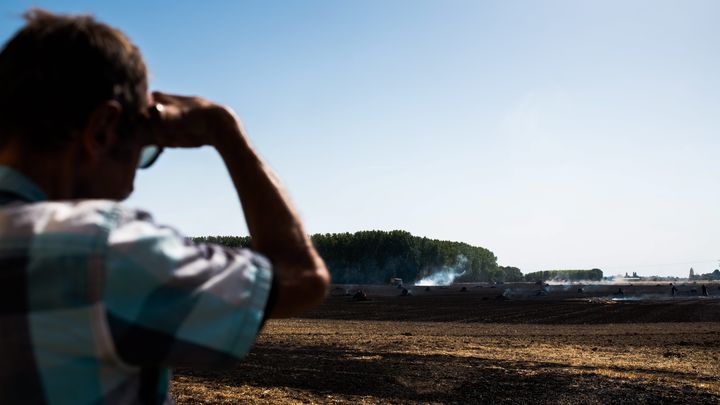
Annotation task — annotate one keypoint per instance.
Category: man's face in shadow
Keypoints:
(111, 174)
(114, 175)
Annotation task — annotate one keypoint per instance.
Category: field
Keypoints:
(487, 344)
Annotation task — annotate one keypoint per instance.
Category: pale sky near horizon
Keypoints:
(558, 134)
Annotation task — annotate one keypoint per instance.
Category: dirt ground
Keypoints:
(482, 345)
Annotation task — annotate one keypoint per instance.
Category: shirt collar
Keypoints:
(12, 181)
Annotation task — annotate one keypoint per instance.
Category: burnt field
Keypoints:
(507, 344)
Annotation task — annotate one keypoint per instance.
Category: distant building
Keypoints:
(692, 273)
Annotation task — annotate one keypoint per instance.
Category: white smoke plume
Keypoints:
(571, 283)
(446, 275)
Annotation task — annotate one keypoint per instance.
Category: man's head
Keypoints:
(73, 91)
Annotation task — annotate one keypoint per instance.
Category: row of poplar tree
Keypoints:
(374, 257)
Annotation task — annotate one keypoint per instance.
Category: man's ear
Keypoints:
(100, 131)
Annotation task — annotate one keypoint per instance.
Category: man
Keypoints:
(97, 301)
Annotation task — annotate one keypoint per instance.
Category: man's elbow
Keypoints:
(312, 288)
(303, 292)
(318, 284)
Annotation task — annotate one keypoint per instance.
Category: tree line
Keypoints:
(715, 275)
(569, 275)
(372, 257)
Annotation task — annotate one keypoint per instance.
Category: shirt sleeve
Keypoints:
(173, 302)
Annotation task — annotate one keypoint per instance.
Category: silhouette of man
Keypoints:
(97, 301)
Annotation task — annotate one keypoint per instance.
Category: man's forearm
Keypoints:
(275, 227)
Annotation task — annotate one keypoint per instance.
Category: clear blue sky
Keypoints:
(558, 134)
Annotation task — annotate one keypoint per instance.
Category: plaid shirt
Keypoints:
(97, 301)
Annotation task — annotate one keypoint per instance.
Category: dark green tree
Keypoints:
(377, 256)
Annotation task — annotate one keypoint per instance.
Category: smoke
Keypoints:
(446, 275)
(574, 283)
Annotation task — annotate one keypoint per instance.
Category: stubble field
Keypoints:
(480, 346)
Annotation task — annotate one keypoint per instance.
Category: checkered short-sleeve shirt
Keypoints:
(97, 301)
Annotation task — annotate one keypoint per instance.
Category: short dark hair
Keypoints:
(58, 68)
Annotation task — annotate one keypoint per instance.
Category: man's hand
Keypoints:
(189, 122)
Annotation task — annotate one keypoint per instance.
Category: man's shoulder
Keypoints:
(73, 216)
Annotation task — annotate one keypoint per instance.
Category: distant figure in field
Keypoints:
(674, 290)
(704, 291)
(360, 296)
(620, 291)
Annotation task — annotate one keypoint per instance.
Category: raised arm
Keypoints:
(275, 227)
